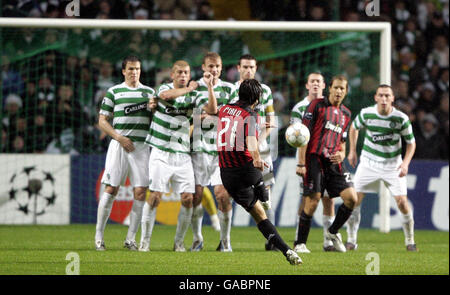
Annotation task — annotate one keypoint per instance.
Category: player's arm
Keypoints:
(353, 139)
(252, 144)
(211, 107)
(410, 149)
(124, 141)
(176, 92)
(301, 155)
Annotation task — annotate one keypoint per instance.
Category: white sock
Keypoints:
(184, 220)
(353, 225)
(197, 219)
(104, 210)
(408, 228)
(147, 222)
(225, 224)
(135, 219)
(327, 222)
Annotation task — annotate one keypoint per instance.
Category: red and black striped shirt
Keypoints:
(328, 126)
(235, 125)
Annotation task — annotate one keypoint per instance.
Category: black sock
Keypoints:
(342, 215)
(271, 234)
(304, 224)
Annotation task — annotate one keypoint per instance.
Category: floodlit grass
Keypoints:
(42, 250)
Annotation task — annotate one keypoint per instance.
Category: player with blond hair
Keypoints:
(170, 157)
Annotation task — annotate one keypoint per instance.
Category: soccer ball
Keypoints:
(297, 135)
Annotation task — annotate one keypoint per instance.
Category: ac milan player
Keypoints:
(241, 164)
(321, 161)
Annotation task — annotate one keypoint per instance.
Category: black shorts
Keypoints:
(239, 184)
(323, 175)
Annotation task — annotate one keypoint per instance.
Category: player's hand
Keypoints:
(403, 170)
(352, 158)
(192, 85)
(208, 78)
(126, 143)
(268, 125)
(300, 171)
(337, 157)
(152, 102)
(260, 164)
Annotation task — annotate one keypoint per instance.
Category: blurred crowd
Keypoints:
(44, 112)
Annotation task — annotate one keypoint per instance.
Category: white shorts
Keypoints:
(206, 169)
(119, 164)
(171, 170)
(369, 174)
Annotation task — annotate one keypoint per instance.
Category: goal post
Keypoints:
(382, 28)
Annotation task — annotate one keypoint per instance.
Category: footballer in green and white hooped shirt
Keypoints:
(381, 159)
(128, 104)
(170, 157)
(205, 159)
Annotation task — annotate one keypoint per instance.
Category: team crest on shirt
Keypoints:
(222, 94)
(144, 94)
(188, 99)
(393, 125)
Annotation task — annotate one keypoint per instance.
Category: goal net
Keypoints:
(56, 72)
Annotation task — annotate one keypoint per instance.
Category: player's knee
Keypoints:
(140, 194)
(154, 199)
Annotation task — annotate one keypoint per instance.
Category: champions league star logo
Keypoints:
(33, 190)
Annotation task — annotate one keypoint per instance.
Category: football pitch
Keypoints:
(49, 250)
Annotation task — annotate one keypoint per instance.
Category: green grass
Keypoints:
(42, 250)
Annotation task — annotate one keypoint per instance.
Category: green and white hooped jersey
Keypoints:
(128, 107)
(299, 110)
(169, 130)
(382, 141)
(206, 141)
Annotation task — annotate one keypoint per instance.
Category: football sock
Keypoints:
(184, 220)
(408, 228)
(304, 225)
(147, 223)
(327, 221)
(225, 224)
(135, 219)
(353, 225)
(271, 234)
(197, 219)
(342, 215)
(104, 210)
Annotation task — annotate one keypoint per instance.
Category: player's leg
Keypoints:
(183, 182)
(148, 219)
(210, 207)
(269, 181)
(103, 212)
(184, 220)
(408, 222)
(197, 219)
(327, 220)
(311, 202)
(225, 217)
(116, 170)
(353, 224)
(312, 192)
(350, 198)
(135, 217)
(138, 162)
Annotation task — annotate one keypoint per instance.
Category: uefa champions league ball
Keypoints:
(297, 135)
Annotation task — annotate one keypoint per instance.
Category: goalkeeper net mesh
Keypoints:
(53, 81)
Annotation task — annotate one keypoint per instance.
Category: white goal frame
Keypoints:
(384, 28)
